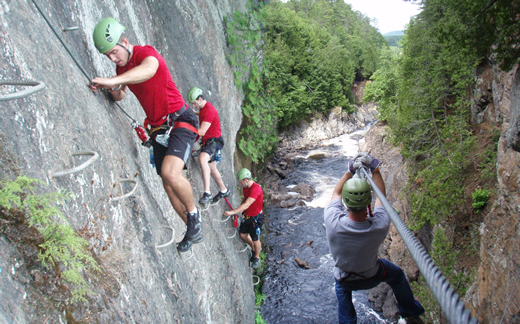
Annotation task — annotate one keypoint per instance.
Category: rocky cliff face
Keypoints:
(495, 297)
(39, 134)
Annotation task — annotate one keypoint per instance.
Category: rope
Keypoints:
(72, 56)
(448, 299)
(35, 86)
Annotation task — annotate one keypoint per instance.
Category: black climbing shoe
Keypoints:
(206, 198)
(255, 262)
(194, 230)
(221, 195)
(184, 245)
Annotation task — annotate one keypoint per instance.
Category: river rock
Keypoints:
(306, 192)
(288, 203)
(302, 263)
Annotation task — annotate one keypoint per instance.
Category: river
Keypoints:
(294, 294)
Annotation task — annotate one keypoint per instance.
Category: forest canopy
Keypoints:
(315, 50)
(297, 59)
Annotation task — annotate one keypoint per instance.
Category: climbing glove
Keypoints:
(365, 160)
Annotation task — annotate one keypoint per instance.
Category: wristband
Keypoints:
(116, 89)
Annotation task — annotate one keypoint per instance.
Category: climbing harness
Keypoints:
(448, 299)
(35, 86)
(169, 124)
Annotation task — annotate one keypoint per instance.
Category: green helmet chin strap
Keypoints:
(126, 48)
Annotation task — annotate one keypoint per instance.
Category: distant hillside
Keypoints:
(393, 37)
(393, 33)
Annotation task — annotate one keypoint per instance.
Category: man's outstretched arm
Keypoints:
(339, 186)
(143, 72)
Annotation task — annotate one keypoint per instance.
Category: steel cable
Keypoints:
(72, 56)
(453, 307)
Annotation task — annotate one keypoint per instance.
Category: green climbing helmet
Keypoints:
(244, 174)
(106, 34)
(194, 94)
(356, 193)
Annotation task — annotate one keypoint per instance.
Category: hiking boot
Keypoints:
(194, 227)
(255, 262)
(185, 244)
(221, 195)
(206, 198)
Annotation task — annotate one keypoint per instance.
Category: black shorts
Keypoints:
(211, 146)
(249, 227)
(180, 143)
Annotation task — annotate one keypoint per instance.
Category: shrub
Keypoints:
(480, 198)
(62, 248)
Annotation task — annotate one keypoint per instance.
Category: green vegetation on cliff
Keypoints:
(60, 248)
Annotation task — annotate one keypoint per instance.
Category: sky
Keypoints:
(391, 15)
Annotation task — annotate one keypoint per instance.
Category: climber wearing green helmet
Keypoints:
(251, 207)
(211, 144)
(144, 71)
(354, 238)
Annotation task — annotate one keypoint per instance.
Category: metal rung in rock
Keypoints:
(35, 86)
(127, 194)
(170, 241)
(85, 164)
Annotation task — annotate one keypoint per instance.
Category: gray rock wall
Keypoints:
(495, 294)
(38, 134)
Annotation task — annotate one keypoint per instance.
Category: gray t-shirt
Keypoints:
(354, 245)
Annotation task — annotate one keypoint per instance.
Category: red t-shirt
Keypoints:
(256, 192)
(159, 95)
(209, 114)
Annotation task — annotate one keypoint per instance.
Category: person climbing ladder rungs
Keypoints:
(211, 144)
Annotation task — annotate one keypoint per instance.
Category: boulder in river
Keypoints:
(302, 263)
